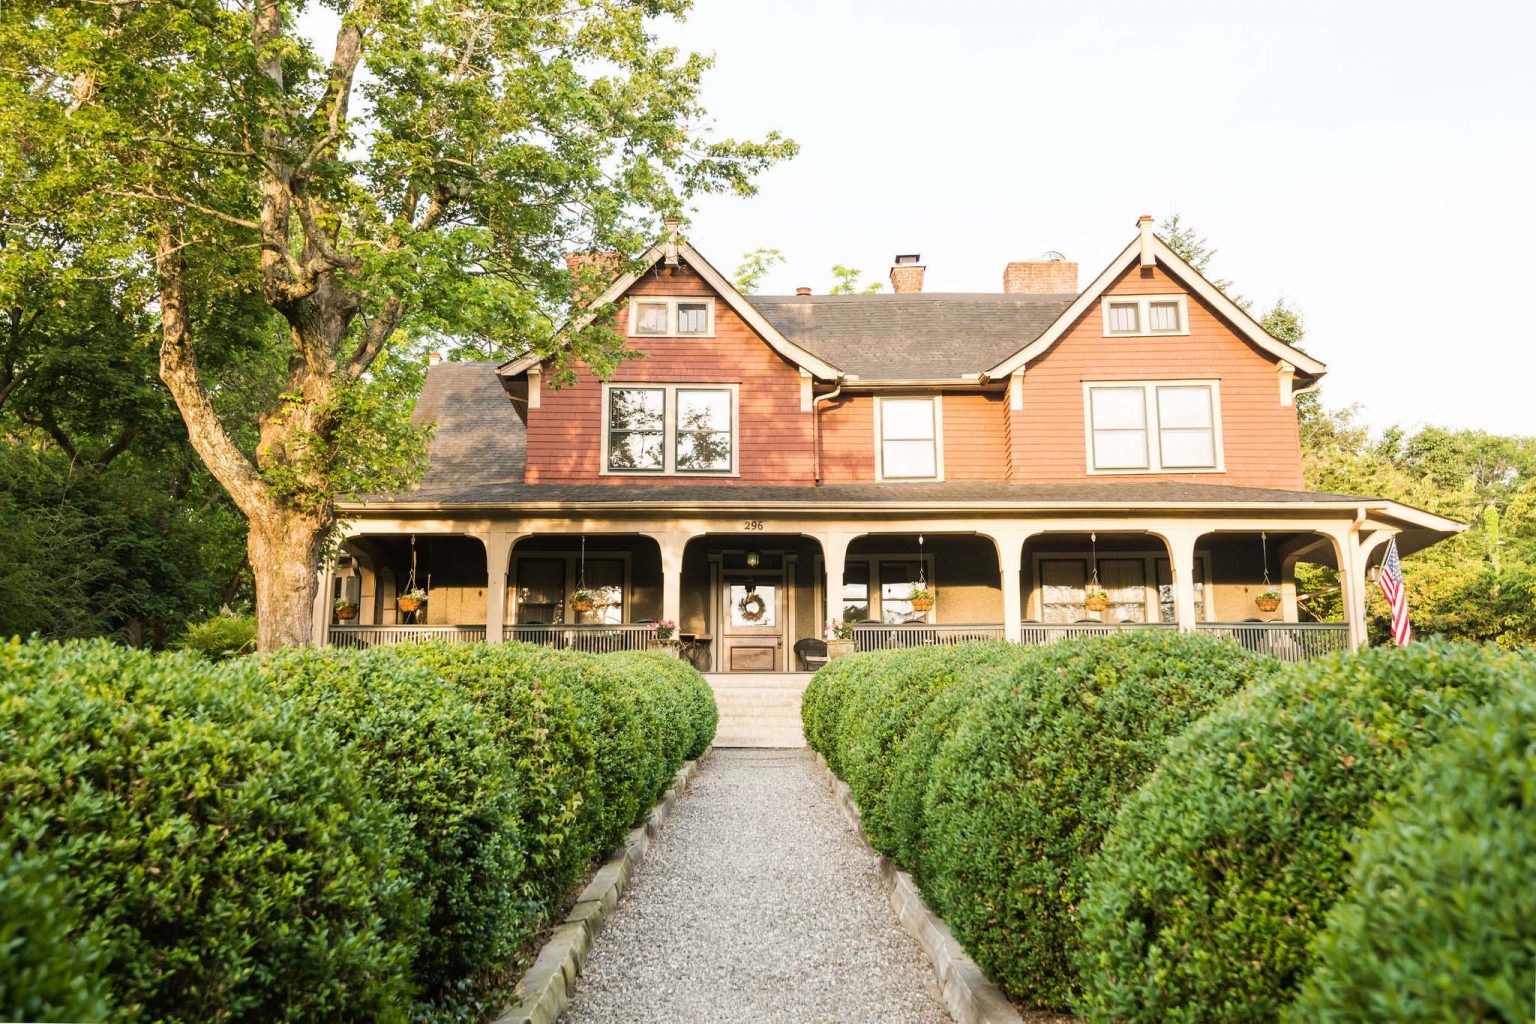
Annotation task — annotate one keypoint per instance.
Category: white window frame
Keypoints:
(572, 559)
(1143, 304)
(938, 436)
(671, 302)
(1034, 608)
(1154, 438)
(669, 428)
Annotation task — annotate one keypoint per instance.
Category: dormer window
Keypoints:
(671, 318)
(1141, 315)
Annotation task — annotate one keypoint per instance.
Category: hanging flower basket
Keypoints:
(920, 598)
(411, 601)
(583, 601)
(1268, 601)
(346, 610)
(1096, 601)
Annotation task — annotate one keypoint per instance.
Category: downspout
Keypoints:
(816, 428)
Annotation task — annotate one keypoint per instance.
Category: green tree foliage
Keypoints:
(754, 267)
(422, 174)
(847, 282)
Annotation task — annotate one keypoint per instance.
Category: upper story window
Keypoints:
(909, 439)
(662, 317)
(669, 428)
(1153, 426)
(1131, 315)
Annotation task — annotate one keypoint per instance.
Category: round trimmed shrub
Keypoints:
(50, 964)
(697, 715)
(1216, 876)
(427, 750)
(891, 694)
(1439, 921)
(1029, 779)
(523, 692)
(222, 850)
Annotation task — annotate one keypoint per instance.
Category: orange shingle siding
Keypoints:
(564, 443)
(1260, 440)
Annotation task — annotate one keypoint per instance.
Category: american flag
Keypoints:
(1391, 583)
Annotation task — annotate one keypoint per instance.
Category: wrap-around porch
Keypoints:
(746, 595)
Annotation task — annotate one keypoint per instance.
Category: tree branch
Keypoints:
(178, 369)
(228, 218)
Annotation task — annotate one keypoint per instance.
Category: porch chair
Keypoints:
(810, 654)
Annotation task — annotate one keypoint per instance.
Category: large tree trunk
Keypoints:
(285, 551)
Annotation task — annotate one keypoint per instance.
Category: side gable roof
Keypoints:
(1159, 250)
(672, 248)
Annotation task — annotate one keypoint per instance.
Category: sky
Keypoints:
(1373, 163)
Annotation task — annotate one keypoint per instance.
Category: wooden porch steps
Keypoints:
(759, 709)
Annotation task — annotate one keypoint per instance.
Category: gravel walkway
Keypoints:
(756, 904)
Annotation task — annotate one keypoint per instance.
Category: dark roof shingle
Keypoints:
(920, 336)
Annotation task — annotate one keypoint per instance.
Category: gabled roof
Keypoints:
(672, 247)
(912, 336)
(1146, 248)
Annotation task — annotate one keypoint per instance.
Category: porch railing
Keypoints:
(1288, 641)
(594, 638)
(920, 634)
(1050, 632)
(375, 636)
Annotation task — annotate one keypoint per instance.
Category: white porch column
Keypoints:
(672, 544)
(1289, 610)
(1010, 554)
(1181, 560)
(320, 629)
(1354, 589)
(834, 556)
(498, 557)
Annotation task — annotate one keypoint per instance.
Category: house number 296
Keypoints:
(754, 524)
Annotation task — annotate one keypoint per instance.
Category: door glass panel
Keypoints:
(754, 607)
(896, 582)
(1062, 581)
(540, 590)
(1125, 581)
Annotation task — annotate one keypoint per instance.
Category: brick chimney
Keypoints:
(598, 268)
(907, 274)
(1051, 274)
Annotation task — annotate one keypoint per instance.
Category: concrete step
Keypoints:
(759, 709)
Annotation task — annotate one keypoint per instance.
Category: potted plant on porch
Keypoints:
(920, 597)
(664, 638)
(411, 600)
(1268, 601)
(346, 610)
(583, 600)
(839, 638)
(1096, 600)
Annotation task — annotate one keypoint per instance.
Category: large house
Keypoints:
(1042, 461)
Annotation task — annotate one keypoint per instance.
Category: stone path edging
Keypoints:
(545, 990)
(968, 995)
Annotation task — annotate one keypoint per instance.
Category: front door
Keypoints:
(754, 623)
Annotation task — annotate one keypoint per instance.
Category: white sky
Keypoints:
(1374, 162)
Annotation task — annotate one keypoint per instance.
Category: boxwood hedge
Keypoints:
(425, 748)
(1028, 780)
(1218, 874)
(221, 849)
(991, 771)
(311, 835)
(1439, 921)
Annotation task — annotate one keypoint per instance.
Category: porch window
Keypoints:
(909, 438)
(670, 428)
(605, 578)
(540, 590)
(1064, 586)
(896, 582)
(1167, 610)
(1062, 582)
(856, 592)
(1153, 426)
(636, 428)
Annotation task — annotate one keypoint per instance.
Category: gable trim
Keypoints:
(801, 358)
(1142, 247)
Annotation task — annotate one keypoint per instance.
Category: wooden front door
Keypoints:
(754, 623)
